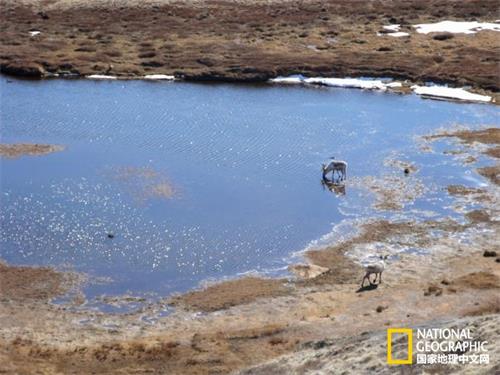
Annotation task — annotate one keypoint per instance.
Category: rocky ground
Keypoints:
(322, 322)
(238, 40)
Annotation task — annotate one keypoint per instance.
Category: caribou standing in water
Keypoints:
(333, 166)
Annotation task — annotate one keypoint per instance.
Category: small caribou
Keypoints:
(333, 166)
(377, 269)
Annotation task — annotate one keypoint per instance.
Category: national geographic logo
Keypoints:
(443, 346)
(400, 331)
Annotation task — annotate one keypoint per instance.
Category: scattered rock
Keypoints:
(111, 235)
(43, 15)
(320, 344)
(433, 290)
(381, 308)
(489, 254)
(443, 36)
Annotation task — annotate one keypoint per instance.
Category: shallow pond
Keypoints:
(199, 181)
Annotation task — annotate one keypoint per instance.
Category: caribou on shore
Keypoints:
(375, 269)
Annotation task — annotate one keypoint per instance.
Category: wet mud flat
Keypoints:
(258, 326)
(248, 40)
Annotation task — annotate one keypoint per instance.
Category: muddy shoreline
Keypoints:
(242, 41)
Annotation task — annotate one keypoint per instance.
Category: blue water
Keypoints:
(244, 162)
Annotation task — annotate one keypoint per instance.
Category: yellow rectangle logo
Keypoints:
(405, 361)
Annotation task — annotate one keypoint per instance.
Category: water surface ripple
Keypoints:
(244, 162)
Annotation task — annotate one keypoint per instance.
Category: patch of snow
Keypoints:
(456, 27)
(394, 27)
(288, 80)
(34, 32)
(373, 84)
(442, 92)
(398, 34)
(393, 84)
(393, 30)
(159, 77)
(100, 76)
(348, 82)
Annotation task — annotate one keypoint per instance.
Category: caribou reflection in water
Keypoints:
(336, 187)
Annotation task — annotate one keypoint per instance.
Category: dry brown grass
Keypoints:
(249, 40)
(231, 293)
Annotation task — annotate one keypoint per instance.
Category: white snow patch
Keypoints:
(348, 82)
(34, 32)
(394, 27)
(456, 27)
(100, 76)
(287, 80)
(393, 84)
(373, 84)
(398, 34)
(159, 77)
(394, 31)
(443, 92)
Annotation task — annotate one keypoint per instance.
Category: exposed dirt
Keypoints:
(341, 269)
(489, 136)
(486, 136)
(463, 190)
(307, 271)
(479, 216)
(386, 232)
(492, 173)
(21, 149)
(392, 192)
(477, 280)
(33, 283)
(247, 40)
(231, 293)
